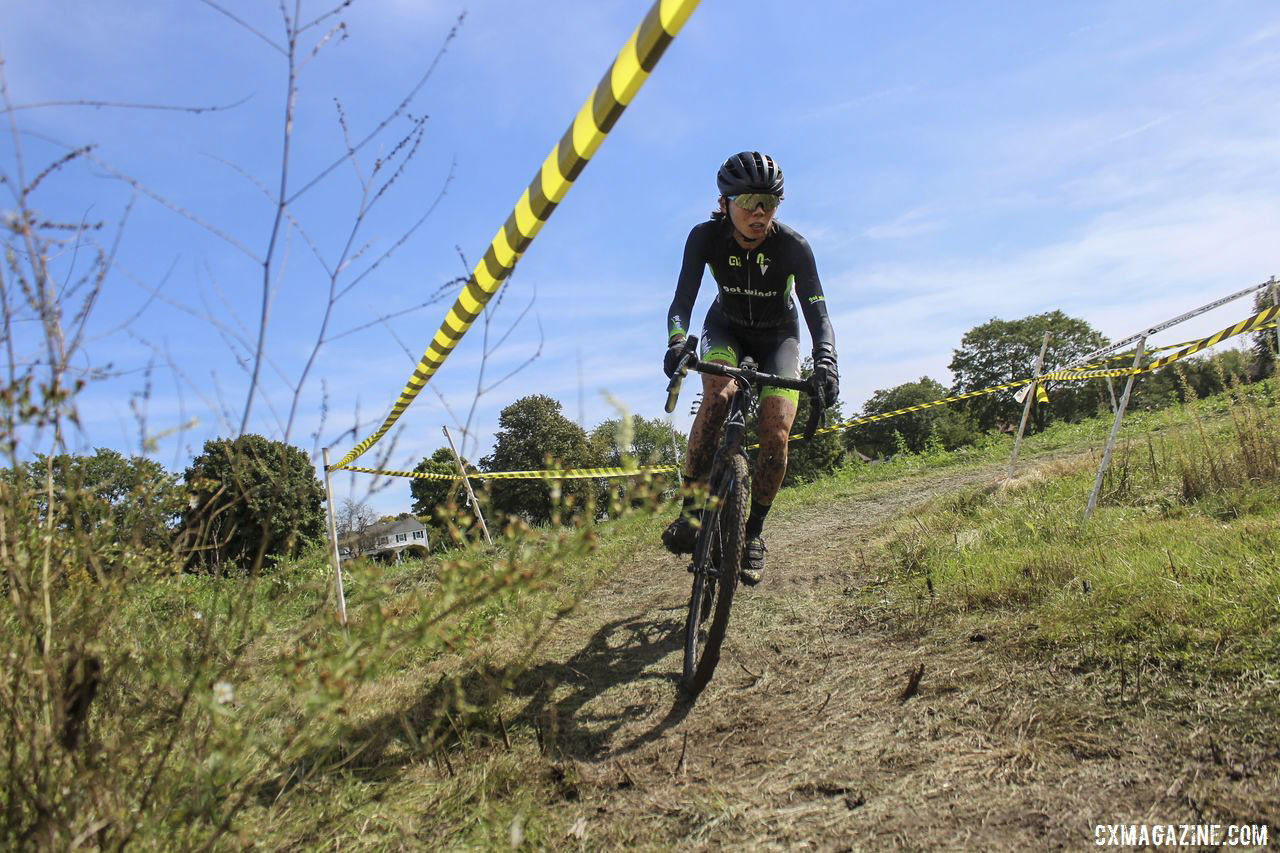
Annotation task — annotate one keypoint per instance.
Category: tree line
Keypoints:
(243, 503)
(534, 434)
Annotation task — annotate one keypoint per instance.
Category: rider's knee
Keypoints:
(773, 440)
(716, 394)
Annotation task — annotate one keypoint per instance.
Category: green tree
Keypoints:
(251, 498)
(1001, 351)
(118, 504)
(1202, 376)
(532, 435)
(806, 460)
(1264, 341)
(646, 442)
(429, 494)
(652, 441)
(809, 460)
(442, 504)
(950, 425)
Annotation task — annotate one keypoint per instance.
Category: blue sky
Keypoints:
(949, 163)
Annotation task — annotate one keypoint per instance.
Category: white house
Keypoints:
(386, 536)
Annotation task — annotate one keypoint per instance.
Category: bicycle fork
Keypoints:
(735, 425)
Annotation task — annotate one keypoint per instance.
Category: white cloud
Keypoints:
(921, 220)
(1122, 272)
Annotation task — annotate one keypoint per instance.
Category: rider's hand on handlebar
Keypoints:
(671, 360)
(826, 372)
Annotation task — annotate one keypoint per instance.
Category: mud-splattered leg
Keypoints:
(716, 393)
(776, 416)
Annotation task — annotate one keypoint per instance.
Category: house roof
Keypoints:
(384, 528)
(400, 525)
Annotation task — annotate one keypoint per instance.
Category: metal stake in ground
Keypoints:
(471, 496)
(1115, 430)
(1275, 300)
(1026, 408)
(333, 544)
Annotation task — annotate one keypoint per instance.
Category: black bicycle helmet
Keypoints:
(749, 172)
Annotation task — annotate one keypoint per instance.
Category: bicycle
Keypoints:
(717, 552)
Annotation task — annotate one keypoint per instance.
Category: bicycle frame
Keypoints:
(735, 424)
(719, 547)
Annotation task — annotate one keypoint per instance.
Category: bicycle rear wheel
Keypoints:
(717, 555)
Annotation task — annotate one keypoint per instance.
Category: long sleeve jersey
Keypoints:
(755, 285)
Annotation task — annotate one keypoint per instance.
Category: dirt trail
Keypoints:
(802, 738)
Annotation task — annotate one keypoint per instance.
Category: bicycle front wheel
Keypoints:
(717, 556)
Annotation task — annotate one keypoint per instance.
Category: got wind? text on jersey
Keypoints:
(755, 285)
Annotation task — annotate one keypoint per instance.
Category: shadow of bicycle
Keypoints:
(566, 708)
(620, 658)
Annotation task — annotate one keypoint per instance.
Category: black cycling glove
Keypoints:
(671, 360)
(826, 372)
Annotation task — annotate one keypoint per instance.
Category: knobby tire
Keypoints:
(720, 541)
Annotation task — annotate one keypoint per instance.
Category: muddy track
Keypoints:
(804, 737)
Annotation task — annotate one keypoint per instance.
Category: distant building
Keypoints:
(384, 537)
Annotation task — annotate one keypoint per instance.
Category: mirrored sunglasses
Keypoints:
(750, 201)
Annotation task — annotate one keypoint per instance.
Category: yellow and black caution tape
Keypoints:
(884, 416)
(1127, 356)
(549, 474)
(1252, 324)
(1262, 320)
(566, 161)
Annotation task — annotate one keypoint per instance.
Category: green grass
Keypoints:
(370, 735)
(1178, 567)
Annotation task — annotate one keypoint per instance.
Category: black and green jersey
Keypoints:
(756, 286)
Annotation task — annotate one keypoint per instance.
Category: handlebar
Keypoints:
(689, 361)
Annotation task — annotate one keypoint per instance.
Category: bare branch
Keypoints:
(103, 267)
(155, 196)
(532, 299)
(317, 21)
(235, 167)
(54, 166)
(128, 105)
(291, 102)
(246, 25)
(351, 151)
(68, 288)
(324, 418)
(341, 27)
(404, 236)
(236, 341)
(412, 139)
(213, 405)
(346, 257)
(434, 300)
(422, 81)
(528, 361)
(413, 359)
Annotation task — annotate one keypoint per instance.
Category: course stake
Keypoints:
(1275, 300)
(1026, 407)
(471, 496)
(333, 544)
(1115, 430)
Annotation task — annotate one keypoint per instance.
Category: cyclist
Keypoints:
(757, 263)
